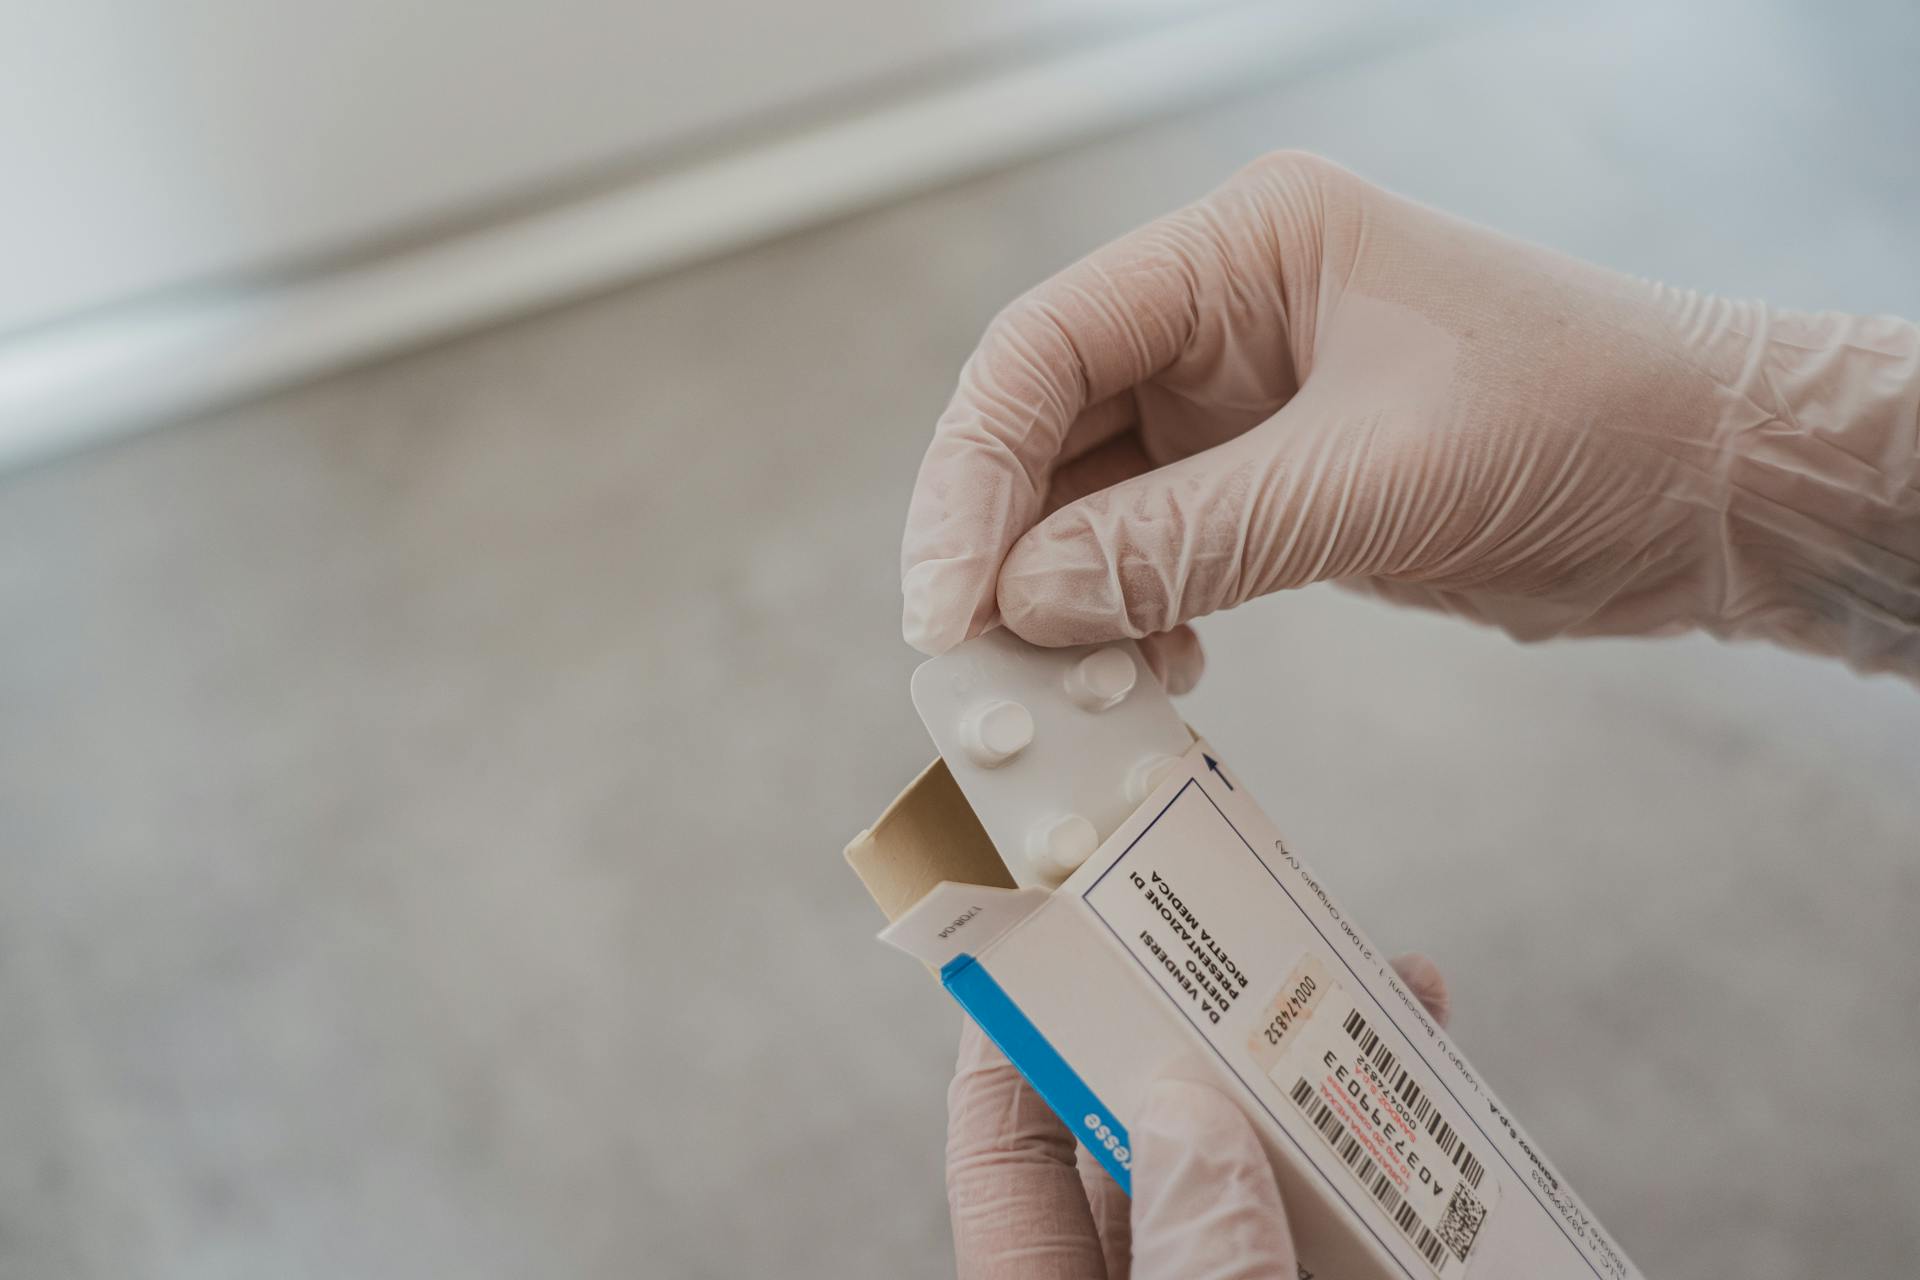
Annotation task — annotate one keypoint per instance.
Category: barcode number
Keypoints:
(1419, 1105)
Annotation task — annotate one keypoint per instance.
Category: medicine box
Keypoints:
(1192, 938)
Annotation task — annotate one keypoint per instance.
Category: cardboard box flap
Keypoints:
(960, 919)
(927, 835)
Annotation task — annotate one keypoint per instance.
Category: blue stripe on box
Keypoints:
(1057, 1083)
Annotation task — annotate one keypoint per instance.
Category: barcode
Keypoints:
(1348, 1148)
(1462, 1222)
(1419, 1105)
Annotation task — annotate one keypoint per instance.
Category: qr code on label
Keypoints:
(1458, 1229)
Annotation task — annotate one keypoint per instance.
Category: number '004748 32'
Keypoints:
(1100, 1134)
(1295, 1002)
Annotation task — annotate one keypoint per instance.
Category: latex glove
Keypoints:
(1304, 377)
(1204, 1204)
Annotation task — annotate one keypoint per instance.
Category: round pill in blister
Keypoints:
(1149, 773)
(995, 732)
(1101, 679)
(1057, 846)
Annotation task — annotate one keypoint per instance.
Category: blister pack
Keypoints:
(1053, 748)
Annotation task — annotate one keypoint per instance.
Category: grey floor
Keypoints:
(421, 793)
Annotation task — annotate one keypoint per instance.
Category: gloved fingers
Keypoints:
(1112, 1215)
(1013, 1191)
(1098, 423)
(1122, 315)
(1422, 977)
(1302, 498)
(1205, 1204)
(1119, 459)
(1175, 658)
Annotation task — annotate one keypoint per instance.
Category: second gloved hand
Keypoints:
(1304, 378)
(1028, 1202)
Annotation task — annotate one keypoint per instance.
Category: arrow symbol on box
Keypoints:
(1217, 770)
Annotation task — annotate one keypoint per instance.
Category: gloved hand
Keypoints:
(1204, 1205)
(1303, 377)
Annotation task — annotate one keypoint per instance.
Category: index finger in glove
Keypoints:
(1042, 385)
(1012, 1186)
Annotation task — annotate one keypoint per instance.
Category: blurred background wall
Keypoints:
(151, 146)
(422, 786)
(210, 198)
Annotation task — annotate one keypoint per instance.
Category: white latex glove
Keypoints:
(1204, 1204)
(1303, 377)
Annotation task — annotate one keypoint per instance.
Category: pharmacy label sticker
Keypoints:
(1349, 1085)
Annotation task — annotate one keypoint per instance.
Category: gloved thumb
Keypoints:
(1308, 495)
(1205, 1205)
